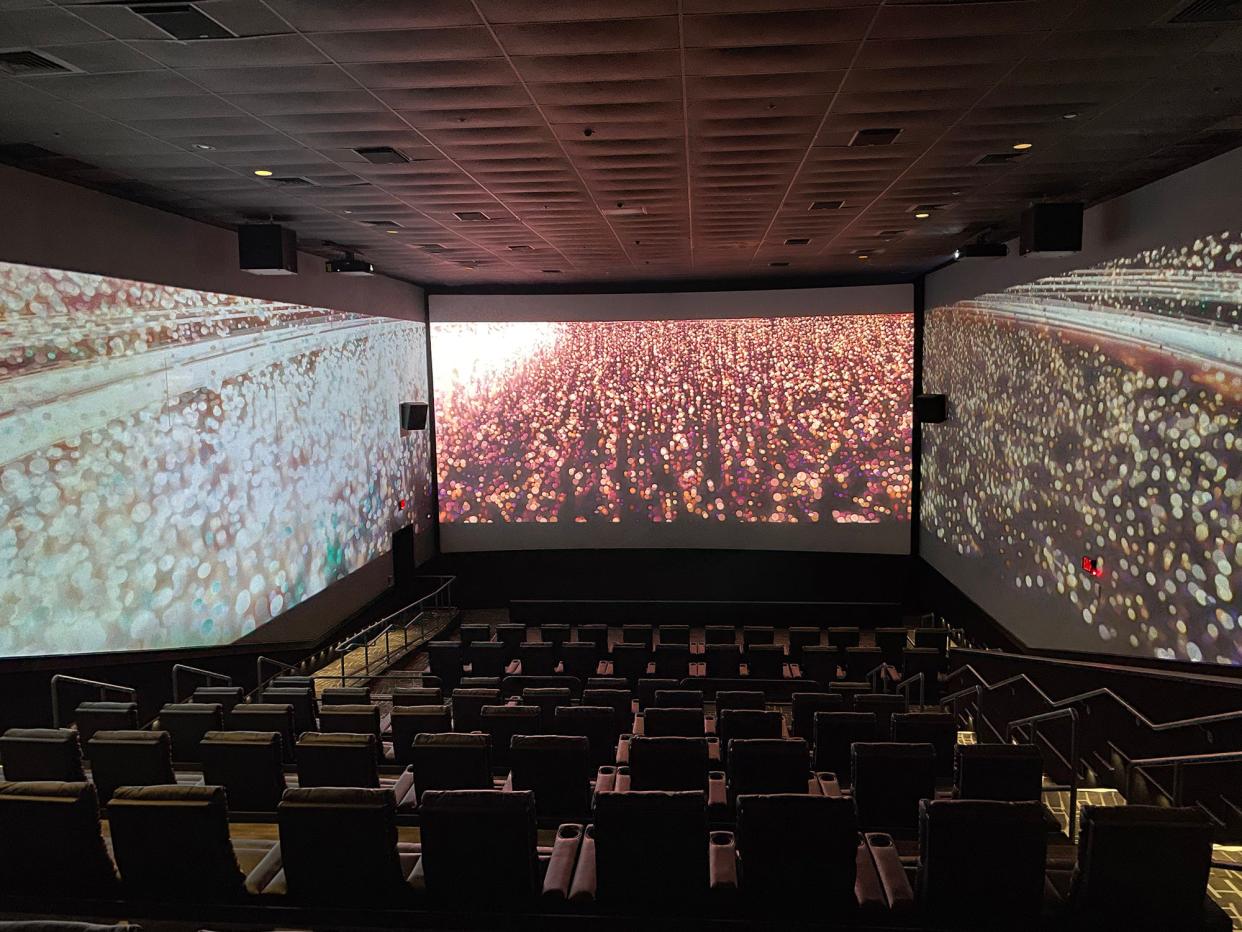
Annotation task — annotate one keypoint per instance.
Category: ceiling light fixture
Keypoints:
(1023, 146)
(922, 215)
(391, 231)
(263, 173)
(1069, 116)
(203, 146)
(864, 256)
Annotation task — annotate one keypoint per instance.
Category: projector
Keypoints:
(982, 251)
(348, 266)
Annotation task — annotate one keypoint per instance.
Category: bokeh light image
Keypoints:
(714, 424)
(1096, 414)
(179, 466)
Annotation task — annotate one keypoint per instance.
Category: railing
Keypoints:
(951, 701)
(873, 675)
(104, 688)
(1033, 721)
(904, 688)
(280, 665)
(1177, 794)
(209, 675)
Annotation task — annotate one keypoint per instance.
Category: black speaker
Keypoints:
(413, 415)
(1051, 230)
(267, 249)
(931, 409)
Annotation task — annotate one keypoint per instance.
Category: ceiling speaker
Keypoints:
(267, 249)
(931, 409)
(1051, 230)
(413, 415)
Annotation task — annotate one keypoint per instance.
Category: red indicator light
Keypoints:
(1093, 566)
(401, 504)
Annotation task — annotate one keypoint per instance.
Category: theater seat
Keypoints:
(722, 661)
(51, 843)
(511, 636)
(248, 764)
(805, 705)
(981, 863)
(547, 700)
(800, 638)
(681, 723)
(638, 634)
(409, 721)
(580, 658)
(48, 754)
(303, 701)
(446, 659)
(468, 703)
(651, 851)
(344, 695)
(360, 719)
(339, 846)
(92, 717)
(487, 658)
(186, 723)
(172, 843)
(678, 699)
(819, 664)
(729, 699)
(717, 635)
(474, 634)
(538, 658)
(268, 716)
(629, 661)
(672, 660)
(554, 634)
(668, 763)
(557, 769)
(227, 696)
(835, 734)
(674, 634)
(768, 765)
(885, 706)
(747, 723)
(621, 701)
(647, 687)
(889, 780)
(765, 661)
(130, 758)
(939, 729)
(594, 634)
(753, 635)
(501, 722)
(595, 723)
(1005, 772)
(417, 695)
(451, 762)
(337, 759)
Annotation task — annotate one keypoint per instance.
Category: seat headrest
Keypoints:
(791, 748)
(248, 738)
(103, 706)
(781, 811)
(484, 695)
(563, 743)
(351, 708)
(951, 812)
(48, 735)
(454, 740)
(893, 750)
(336, 739)
(263, 708)
(547, 692)
(339, 796)
(49, 790)
(179, 793)
(651, 803)
(478, 801)
(191, 708)
(131, 736)
(510, 711)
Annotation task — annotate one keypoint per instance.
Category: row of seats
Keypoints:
(979, 864)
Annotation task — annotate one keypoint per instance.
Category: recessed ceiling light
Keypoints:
(1023, 146)
(347, 211)
(203, 146)
(1069, 116)
(923, 214)
(392, 231)
(864, 256)
(263, 173)
(797, 241)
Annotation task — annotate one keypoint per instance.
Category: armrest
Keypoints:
(508, 784)
(812, 786)
(795, 671)
(623, 749)
(828, 784)
(868, 890)
(897, 890)
(623, 780)
(584, 885)
(709, 723)
(722, 861)
(560, 874)
(717, 791)
(403, 788)
(606, 780)
(265, 871)
(637, 727)
(713, 749)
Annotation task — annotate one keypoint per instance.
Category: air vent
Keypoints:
(522, 247)
(382, 155)
(926, 208)
(797, 241)
(892, 232)
(1210, 11)
(294, 181)
(999, 158)
(381, 223)
(431, 247)
(27, 63)
(471, 215)
(875, 137)
(778, 265)
(624, 211)
(826, 205)
(182, 21)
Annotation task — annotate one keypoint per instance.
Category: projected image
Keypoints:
(179, 467)
(714, 424)
(1096, 414)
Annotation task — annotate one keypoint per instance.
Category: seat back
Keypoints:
(44, 754)
(678, 699)
(747, 723)
(765, 661)
(718, 635)
(516, 684)
(672, 660)
(860, 661)
(186, 723)
(353, 719)
(408, 721)
(172, 842)
(344, 695)
(768, 765)
(648, 686)
(547, 699)
(556, 635)
(606, 682)
(227, 696)
(925, 660)
(892, 644)
(668, 763)
(939, 729)
(629, 661)
(91, 717)
(674, 723)
(597, 724)
(501, 722)
(1142, 866)
(130, 758)
(850, 690)
(296, 681)
(451, 762)
(651, 848)
(580, 658)
(417, 695)
(834, 733)
(889, 780)
(805, 705)
(480, 682)
(798, 853)
(757, 634)
(511, 636)
(819, 664)
(729, 699)
(337, 759)
(637, 634)
(722, 661)
(301, 698)
(594, 634)
(981, 863)
(885, 706)
(674, 634)
(538, 658)
(479, 848)
(557, 769)
(621, 701)
(1005, 772)
(248, 764)
(800, 638)
(474, 634)
(488, 658)
(468, 703)
(841, 637)
(267, 716)
(359, 863)
(935, 638)
(446, 659)
(50, 837)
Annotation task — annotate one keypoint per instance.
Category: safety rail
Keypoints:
(209, 675)
(104, 688)
(904, 688)
(1144, 765)
(280, 665)
(951, 701)
(1033, 721)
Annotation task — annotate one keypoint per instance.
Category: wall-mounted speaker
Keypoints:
(1051, 230)
(931, 409)
(267, 249)
(413, 415)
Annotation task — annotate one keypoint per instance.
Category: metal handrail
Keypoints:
(951, 700)
(103, 688)
(179, 668)
(905, 685)
(874, 672)
(1176, 761)
(1033, 721)
(279, 664)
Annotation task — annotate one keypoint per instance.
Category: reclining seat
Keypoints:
(674, 723)
(629, 661)
(267, 716)
(538, 658)
(597, 724)
(747, 723)
(446, 660)
(674, 634)
(650, 850)
(353, 719)
(939, 729)
(302, 700)
(765, 661)
(501, 722)
(718, 635)
(91, 717)
(474, 634)
(47, 754)
(248, 764)
(344, 695)
(416, 695)
(554, 634)
(1005, 772)
(594, 634)
(722, 661)
(728, 700)
(468, 704)
(362, 863)
(672, 660)
(885, 706)
(337, 759)
(557, 770)
(835, 733)
(130, 758)
(769, 765)
(1143, 867)
(547, 699)
(668, 763)
(805, 705)
(889, 781)
(228, 696)
(451, 762)
(187, 723)
(800, 638)
(51, 842)
(512, 636)
(487, 658)
(819, 664)
(409, 721)
(678, 699)
(172, 842)
(621, 701)
(580, 659)
(981, 863)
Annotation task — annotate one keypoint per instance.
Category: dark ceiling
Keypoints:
(713, 125)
